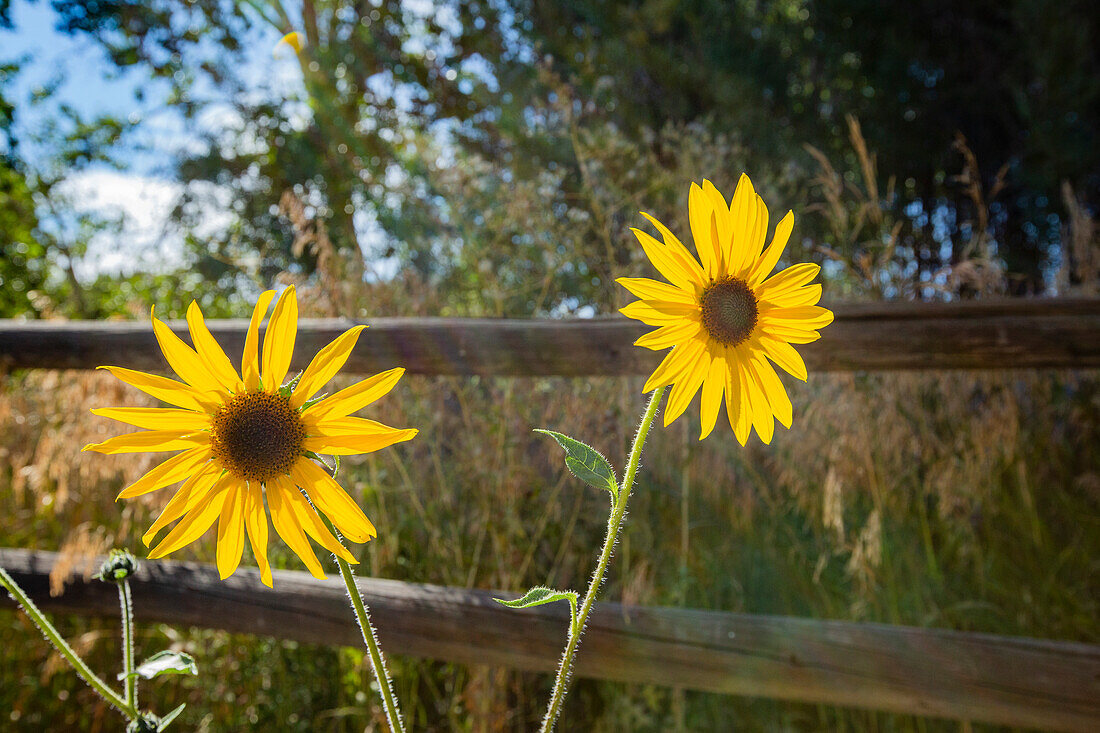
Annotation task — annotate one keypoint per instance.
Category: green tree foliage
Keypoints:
(378, 78)
(45, 234)
(397, 94)
(22, 270)
(1021, 83)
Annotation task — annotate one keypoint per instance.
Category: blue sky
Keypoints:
(87, 87)
(91, 85)
(142, 193)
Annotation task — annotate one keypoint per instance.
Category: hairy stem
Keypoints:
(51, 634)
(614, 523)
(362, 615)
(127, 607)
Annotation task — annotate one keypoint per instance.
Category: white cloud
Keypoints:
(144, 239)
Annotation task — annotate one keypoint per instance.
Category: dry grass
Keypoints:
(955, 500)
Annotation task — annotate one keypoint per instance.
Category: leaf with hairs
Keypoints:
(541, 595)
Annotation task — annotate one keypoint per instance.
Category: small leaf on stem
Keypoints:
(540, 595)
(165, 662)
(586, 463)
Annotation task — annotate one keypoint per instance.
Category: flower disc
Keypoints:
(257, 435)
(729, 311)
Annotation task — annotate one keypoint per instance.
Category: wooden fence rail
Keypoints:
(881, 336)
(977, 677)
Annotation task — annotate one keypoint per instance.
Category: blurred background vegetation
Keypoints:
(487, 158)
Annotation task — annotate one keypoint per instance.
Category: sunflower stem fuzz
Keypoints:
(614, 524)
(78, 664)
(362, 616)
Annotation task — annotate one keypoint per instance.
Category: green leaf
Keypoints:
(163, 722)
(586, 463)
(541, 595)
(166, 662)
(538, 596)
(287, 389)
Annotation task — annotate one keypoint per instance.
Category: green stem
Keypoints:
(51, 634)
(378, 663)
(362, 615)
(127, 606)
(614, 523)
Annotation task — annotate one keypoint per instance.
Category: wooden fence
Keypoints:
(883, 336)
(981, 677)
(978, 677)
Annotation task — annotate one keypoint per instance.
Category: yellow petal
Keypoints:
(197, 520)
(279, 339)
(185, 499)
(658, 313)
(805, 316)
(309, 521)
(792, 335)
(773, 389)
(743, 213)
(675, 333)
(231, 531)
(173, 470)
(347, 445)
(289, 528)
(683, 272)
(644, 287)
(704, 230)
(355, 397)
(164, 389)
(340, 426)
(674, 364)
(762, 418)
(679, 253)
(808, 295)
(687, 384)
(212, 355)
(184, 361)
(665, 372)
(738, 412)
(324, 366)
(770, 258)
(155, 418)
(330, 498)
(149, 441)
(250, 366)
(255, 521)
(786, 280)
(785, 356)
(723, 223)
(759, 231)
(713, 387)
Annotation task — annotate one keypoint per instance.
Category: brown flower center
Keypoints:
(729, 311)
(257, 436)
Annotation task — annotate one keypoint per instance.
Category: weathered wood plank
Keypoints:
(880, 336)
(978, 677)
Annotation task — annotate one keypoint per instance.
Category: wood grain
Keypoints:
(978, 677)
(874, 337)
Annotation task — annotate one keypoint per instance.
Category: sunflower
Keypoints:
(247, 437)
(726, 320)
